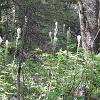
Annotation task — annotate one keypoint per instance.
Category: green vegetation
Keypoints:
(47, 76)
(41, 55)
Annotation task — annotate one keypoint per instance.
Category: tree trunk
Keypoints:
(18, 83)
(0, 23)
(88, 14)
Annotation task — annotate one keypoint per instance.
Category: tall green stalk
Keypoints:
(16, 44)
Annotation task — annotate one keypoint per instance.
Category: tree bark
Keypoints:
(0, 23)
(18, 83)
(88, 15)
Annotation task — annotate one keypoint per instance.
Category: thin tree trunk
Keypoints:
(21, 59)
(0, 20)
(88, 14)
(18, 83)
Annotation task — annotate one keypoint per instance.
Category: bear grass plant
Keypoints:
(54, 76)
(8, 69)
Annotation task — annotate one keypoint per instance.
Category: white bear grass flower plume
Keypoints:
(79, 40)
(54, 37)
(1, 40)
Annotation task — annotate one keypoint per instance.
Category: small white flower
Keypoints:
(56, 28)
(63, 28)
(65, 52)
(63, 25)
(79, 38)
(56, 24)
(19, 30)
(55, 39)
(26, 19)
(1, 40)
(50, 33)
(15, 21)
(7, 43)
(38, 49)
(18, 33)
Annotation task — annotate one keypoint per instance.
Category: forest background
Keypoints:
(49, 49)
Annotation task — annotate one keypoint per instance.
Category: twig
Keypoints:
(96, 35)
